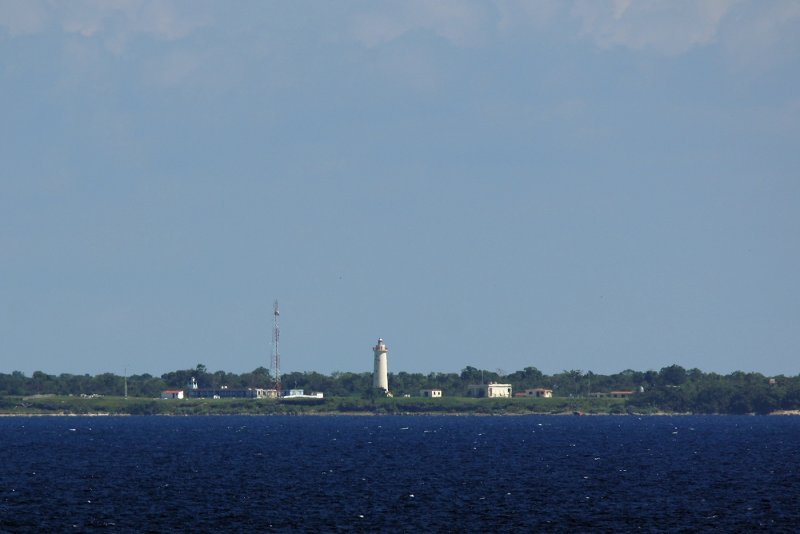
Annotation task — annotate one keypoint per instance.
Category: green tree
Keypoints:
(674, 375)
(471, 375)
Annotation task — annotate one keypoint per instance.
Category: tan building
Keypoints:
(489, 390)
(430, 393)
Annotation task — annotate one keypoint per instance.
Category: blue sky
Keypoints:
(593, 185)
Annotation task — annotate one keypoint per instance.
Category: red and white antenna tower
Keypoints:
(276, 355)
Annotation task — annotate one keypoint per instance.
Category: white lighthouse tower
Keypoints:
(380, 377)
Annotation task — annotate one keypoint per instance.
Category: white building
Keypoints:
(430, 393)
(300, 394)
(489, 390)
(380, 375)
(540, 393)
(172, 394)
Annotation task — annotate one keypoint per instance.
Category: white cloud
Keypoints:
(116, 22)
(667, 26)
(461, 23)
(670, 27)
(751, 32)
(620, 7)
(113, 21)
(525, 13)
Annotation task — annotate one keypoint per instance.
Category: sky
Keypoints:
(587, 184)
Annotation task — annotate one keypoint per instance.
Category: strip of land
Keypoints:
(69, 405)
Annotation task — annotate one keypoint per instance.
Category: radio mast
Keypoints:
(276, 355)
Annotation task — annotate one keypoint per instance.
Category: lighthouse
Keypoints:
(380, 377)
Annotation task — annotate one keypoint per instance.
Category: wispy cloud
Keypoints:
(669, 27)
(112, 21)
(524, 13)
(750, 33)
(461, 23)
(666, 26)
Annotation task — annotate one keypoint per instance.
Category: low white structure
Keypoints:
(172, 394)
(300, 394)
(489, 390)
(539, 393)
(430, 393)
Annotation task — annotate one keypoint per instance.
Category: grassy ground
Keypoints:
(55, 405)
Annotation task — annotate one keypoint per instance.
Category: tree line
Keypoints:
(672, 388)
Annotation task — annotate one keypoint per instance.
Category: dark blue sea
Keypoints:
(399, 474)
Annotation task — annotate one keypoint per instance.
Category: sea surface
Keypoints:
(399, 474)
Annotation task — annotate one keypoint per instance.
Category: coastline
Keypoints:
(69, 406)
(378, 414)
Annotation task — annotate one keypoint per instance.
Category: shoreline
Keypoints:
(406, 414)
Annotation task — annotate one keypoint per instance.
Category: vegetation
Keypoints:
(343, 405)
(673, 389)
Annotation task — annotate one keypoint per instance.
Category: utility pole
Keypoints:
(125, 372)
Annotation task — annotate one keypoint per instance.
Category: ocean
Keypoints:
(399, 474)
